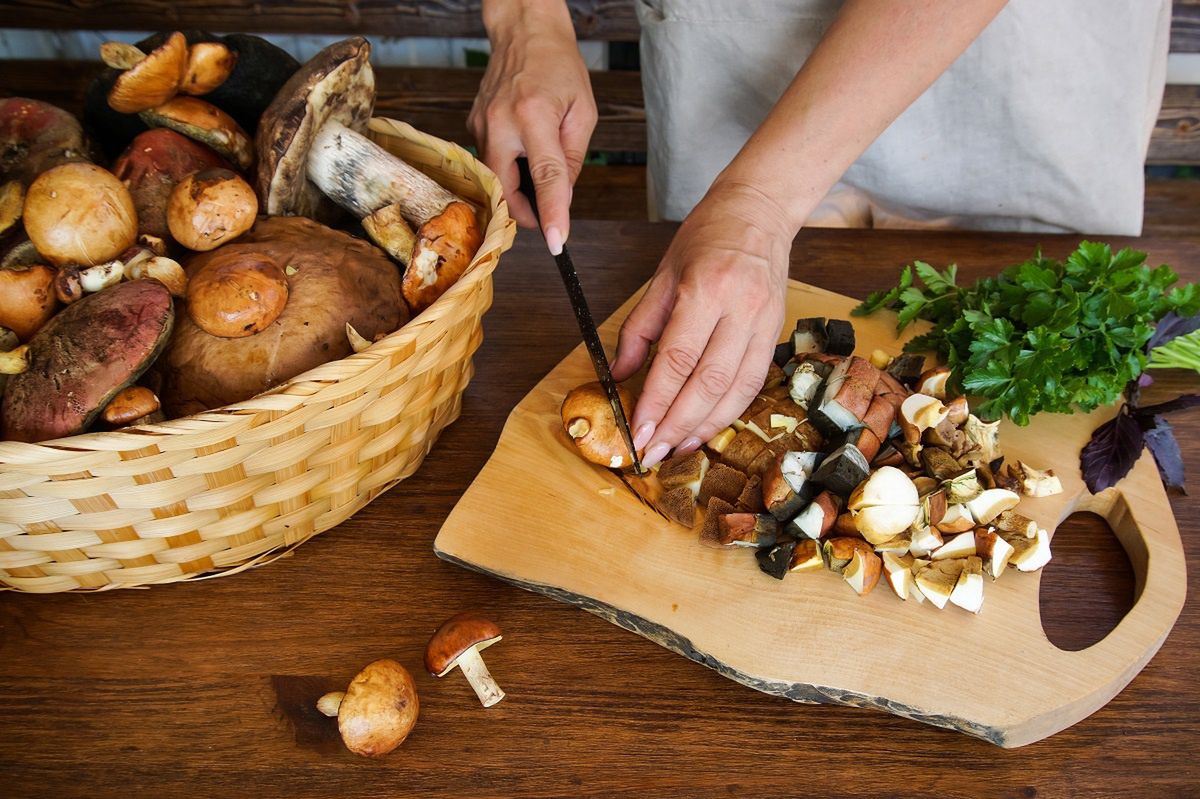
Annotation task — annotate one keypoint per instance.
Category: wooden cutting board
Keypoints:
(540, 517)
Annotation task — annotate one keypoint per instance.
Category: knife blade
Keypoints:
(583, 315)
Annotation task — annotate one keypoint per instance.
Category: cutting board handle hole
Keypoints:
(1091, 582)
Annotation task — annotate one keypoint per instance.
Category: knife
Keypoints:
(591, 338)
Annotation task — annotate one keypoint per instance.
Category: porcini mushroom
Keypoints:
(78, 213)
(310, 142)
(36, 137)
(130, 406)
(237, 294)
(590, 422)
(209, 64)
(884, 505)
(209, 208)
(207, 124)
(377, 711)
(12, 203)
(26, 298)
(457, 643)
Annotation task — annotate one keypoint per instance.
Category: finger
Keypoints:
(501, 158)
(684, 341)
(746, 386)
(643, 326)
(713, 378)
(575, 134)
(551, 182)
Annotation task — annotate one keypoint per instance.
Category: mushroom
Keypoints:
(747, 530)
(150, 81)
(27, 298)
(210, 208)
(1010, 521)
(589, 420)
(933, 382)
(938, 580)
(968, 589)
(205, 123)
(991, 503)
(78, 213)
(723, 482)
(840, 550)
(377, 711)
(1036, 482)
(985, 435)
(897, 568)
(919, 412)
(457, 643)
(130, 406)
(36, 137)
(237, 294)
(862, 573)
(806, 556)
(209, 64)
(12, 202)
(961, 546)
(14, 361)
(884, 505)
(1029, 554)
(310, 142)
(924, 540)
(72, 282)
(141, 262)
(995, 551)
(957, 519)
(721, 440)
(817, 519)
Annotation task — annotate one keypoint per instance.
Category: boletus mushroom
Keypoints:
(377, 711)
(36, 137)
(131, 405)
(149, 81)
(237, 294)
(78, 213)
(457, 644)
(589, 420)
(27, 298)
(209, 208)
(310, 142)
(333, 279)
(207, 124)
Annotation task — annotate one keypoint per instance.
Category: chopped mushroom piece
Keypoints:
(994, 550)
(862, 573)
(991, 503)
(968, 590)
(961, 546)
(1029, 554)
(589, 421)
(457, 643)
(1037, 483)
(938, 580)
(899, 576)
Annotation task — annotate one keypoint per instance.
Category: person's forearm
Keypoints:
(504, 18)
(876, 59)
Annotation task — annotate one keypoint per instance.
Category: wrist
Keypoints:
(505, 20)
(749, 203)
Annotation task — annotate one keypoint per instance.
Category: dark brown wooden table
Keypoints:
(207, 688)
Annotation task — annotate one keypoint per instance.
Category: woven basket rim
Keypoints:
(308, 386)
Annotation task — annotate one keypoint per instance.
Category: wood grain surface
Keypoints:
(207, 688)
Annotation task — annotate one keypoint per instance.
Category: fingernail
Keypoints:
(554, 240)
(655, 454)
(641, 436)
(689, 445)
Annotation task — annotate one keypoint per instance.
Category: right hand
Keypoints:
(535, 100)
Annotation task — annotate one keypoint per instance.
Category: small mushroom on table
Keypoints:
(457, 643)
(377, 711)
(310, 142)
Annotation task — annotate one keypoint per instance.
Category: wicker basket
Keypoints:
(225, 490)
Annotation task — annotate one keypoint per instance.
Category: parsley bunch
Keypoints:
(1044, 335)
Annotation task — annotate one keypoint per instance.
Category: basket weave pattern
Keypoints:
(228, 489)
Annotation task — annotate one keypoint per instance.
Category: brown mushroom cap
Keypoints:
(129, 405)
(456, 635)
(205, 123)
(336, 84)
(35, 137)
(153, 80)
(597, 436)
(209, 64)
(333, 278)
(210, 208)
(27, 299)
(379, 709)
(78, 213)
(444, 249)
(237, 294)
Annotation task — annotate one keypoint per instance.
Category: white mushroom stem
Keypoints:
(362, 177)
(16, 361)
(477, 674)
(329, 704)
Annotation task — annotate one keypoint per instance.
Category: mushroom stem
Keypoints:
(362, 177)
(329, 704)
(16, 361)
(477, 674)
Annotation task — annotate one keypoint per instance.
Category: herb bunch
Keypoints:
(1044, 335)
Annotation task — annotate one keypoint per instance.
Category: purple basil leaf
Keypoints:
(1145, 380)
(1172, 326)
(1180, 403)
(1114, 448)
(1160, 439)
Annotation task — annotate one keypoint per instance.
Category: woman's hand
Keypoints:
(715, 306)
(535, 100)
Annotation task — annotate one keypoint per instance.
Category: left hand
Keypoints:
(715, 306)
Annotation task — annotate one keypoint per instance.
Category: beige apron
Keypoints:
(1041, 125)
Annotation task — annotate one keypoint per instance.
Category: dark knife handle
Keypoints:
(526, 185)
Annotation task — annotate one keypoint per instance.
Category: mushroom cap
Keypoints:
(27, 299)
(467, 630)
(379, 709)
(209, 208)
(35, 137)
(444, 249)
(78, 213)
(209, 64)
(336, 84)
(205, 123)
(153, 80)
(237, 294)
(333, 278)
(129, 405)
(601, 442)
